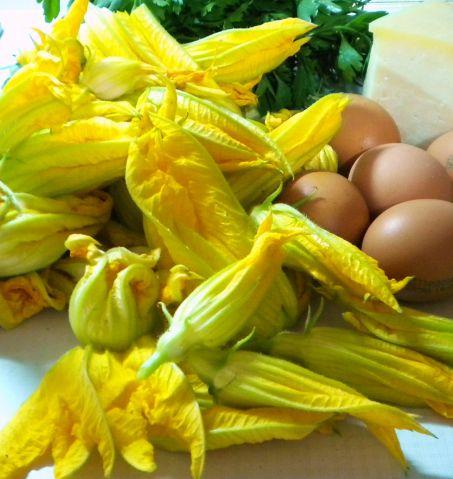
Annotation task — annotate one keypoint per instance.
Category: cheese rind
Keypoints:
(410, 72)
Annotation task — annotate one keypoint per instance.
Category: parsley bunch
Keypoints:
(334, 60)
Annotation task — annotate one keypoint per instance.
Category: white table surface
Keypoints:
(27, 353)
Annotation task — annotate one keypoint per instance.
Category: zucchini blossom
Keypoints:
(33, 229)
(114, 302)
(247, 379)
(381, 371)
(222, 306)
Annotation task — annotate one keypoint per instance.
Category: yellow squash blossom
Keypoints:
(226, 426)
(236, 144)
(244, 54)
(21, 297)
(424, 332)
(177, 283)
(114, 303)
(273, 120)
(221, 307)
(247, 379)
(58, 53)
(38, 102)
(185, 198)
(62, 422)
(192, 214)
(112, 110)
(300, 138)
(325, 160)
(140, 38)
(381, 371)
(33, 229)
(92, 401)
(337, 264)
(81, 155)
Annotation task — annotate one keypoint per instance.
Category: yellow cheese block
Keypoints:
(411, 70)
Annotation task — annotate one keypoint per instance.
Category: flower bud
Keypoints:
(114, 302)
(33, 229)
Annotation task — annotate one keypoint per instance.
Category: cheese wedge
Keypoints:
(411, 70)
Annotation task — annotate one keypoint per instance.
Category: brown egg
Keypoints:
(366, 124)
(390, 174)
(442, 150)
(415, 238)
(336, 204)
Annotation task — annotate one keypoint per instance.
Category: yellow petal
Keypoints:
(426, 333)
(380, 370)
(80, 156)
(300, 138)
(169, 405)
(221, 308)
(175, 412)
(130, 431)
(247, 379)
(319, 123)
(390, 440)
(104, 36)
(325, 160)
(39, 101)
(69, 25)
(171, 53)
(177, 283)
(227, 426)
(273, 120)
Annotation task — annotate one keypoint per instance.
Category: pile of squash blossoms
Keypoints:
(136, 190)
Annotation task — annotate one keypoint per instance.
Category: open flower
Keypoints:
(92, 401)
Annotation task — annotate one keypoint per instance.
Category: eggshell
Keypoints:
(365, 124)
(336, 204)
(415, 238)
(390, 174)
(442, 150)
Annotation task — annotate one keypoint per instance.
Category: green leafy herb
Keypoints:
(51, 8)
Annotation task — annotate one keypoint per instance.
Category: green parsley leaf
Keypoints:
(51, 9)
(349, 60)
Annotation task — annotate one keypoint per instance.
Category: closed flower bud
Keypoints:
(380, 370)
(114, 302)
(33, 229)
